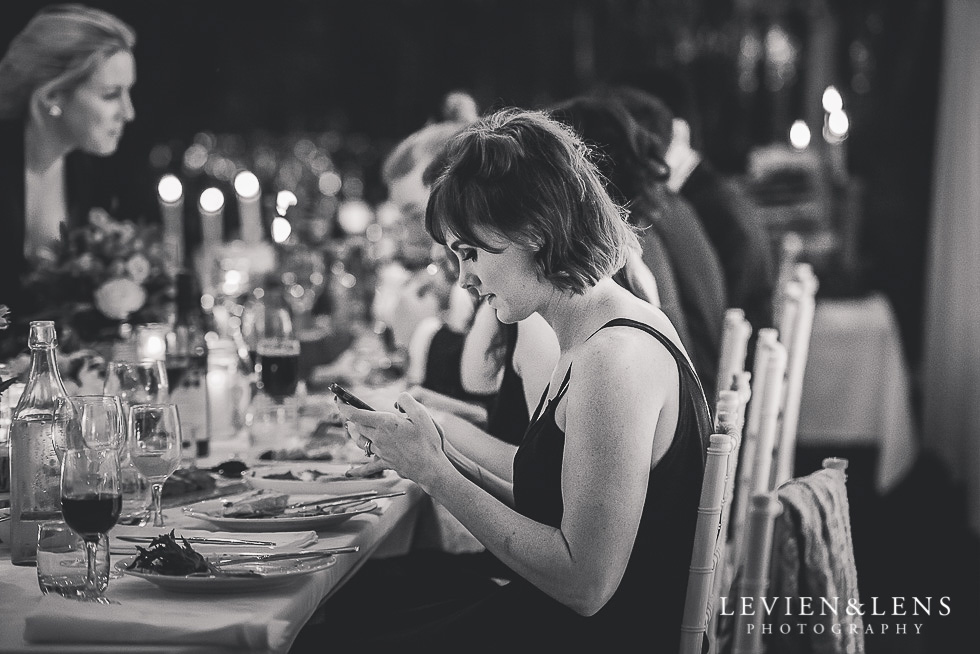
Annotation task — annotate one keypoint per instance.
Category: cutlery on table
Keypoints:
(285, 556)
(202, 540)
(345, 499)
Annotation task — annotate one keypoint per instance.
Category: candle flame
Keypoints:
(212, 200)
(170, 189)
(799, 135)
(247, 184)
(280, 229)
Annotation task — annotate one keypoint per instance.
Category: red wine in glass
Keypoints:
(92, 514)
(279, 361)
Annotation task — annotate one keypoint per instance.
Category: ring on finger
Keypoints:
(367, 449)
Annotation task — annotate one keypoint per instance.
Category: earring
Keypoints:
(54, 111)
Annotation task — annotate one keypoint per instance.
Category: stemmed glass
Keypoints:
(155, 447)
(137, 382)
(90, 497)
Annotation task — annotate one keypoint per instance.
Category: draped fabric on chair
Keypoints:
(803, 551)
(813, 556)
(951, 381)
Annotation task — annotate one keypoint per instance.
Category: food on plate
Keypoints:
(315, 475)
(188, 480)
(259, 504)
(165, 556)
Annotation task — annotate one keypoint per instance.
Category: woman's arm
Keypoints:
(481, 367)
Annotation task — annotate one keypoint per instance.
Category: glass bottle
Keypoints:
(38, 434)
(187, 368)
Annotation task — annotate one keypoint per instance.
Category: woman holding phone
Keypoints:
(595, 510)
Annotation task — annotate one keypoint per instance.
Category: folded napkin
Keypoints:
(284, 540)
(60, 620)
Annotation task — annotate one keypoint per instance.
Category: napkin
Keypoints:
(60, 620)
(284, 540)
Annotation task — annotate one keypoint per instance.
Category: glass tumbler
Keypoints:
(62, 566)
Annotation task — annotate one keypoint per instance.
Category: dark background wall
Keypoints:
(380, 68)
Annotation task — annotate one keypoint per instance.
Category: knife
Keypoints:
(285, 556)
(201, 540)
(345, 499)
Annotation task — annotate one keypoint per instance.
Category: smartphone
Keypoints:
(347, 397)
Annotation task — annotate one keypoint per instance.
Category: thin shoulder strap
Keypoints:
(561, 391)
(701, 411)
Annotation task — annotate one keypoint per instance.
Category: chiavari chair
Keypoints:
(698, 604)
(795, 330)
(735, 335)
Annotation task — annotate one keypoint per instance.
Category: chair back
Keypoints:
(735, 335)
(698, 601)
(794, 333)
(747, 631)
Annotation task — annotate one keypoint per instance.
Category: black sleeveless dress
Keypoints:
(648, 605)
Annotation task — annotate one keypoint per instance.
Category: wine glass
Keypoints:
(137, 382)
(90, 498)
(303, 275)
(155, 447)
(277, 353)
(108, 428)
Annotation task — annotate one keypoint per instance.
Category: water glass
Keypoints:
(62, 563)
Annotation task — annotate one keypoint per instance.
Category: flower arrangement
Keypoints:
(103, 273)
(4, 323)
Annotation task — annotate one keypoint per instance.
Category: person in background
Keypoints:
(675, 245)
(595, 511)
(428, 316)
(727, 213)
(65, 84)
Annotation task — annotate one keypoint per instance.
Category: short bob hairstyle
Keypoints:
(57, 50)
(528, 179)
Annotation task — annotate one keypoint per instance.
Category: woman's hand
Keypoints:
(408, 442)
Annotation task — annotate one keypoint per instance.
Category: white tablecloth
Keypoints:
(274, 617)
(856, 388)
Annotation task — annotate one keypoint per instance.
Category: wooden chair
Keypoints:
(734, 344)
(794, 333)
(698, 604)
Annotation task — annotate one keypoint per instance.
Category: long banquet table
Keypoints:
(272, 618)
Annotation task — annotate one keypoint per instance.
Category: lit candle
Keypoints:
(212, 208)
(248, 190)
(170, 194)
(151, 342)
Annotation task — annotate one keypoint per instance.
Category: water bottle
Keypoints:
(38, 438)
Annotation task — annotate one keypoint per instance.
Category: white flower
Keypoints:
(118, 298)
(138, 268)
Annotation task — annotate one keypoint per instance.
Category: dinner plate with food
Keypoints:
(265, 510)
(174, 565)
(310, 477)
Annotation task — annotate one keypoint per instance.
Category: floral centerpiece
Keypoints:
(4, 323)
(102, 274)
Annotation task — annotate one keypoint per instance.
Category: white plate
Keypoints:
(271, 574)
(334, 483)
(210, 511)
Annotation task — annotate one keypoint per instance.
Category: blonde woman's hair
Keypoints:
(57, 50)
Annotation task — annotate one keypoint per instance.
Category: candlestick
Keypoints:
(170, 194)
(248, 190)
(211, 206)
